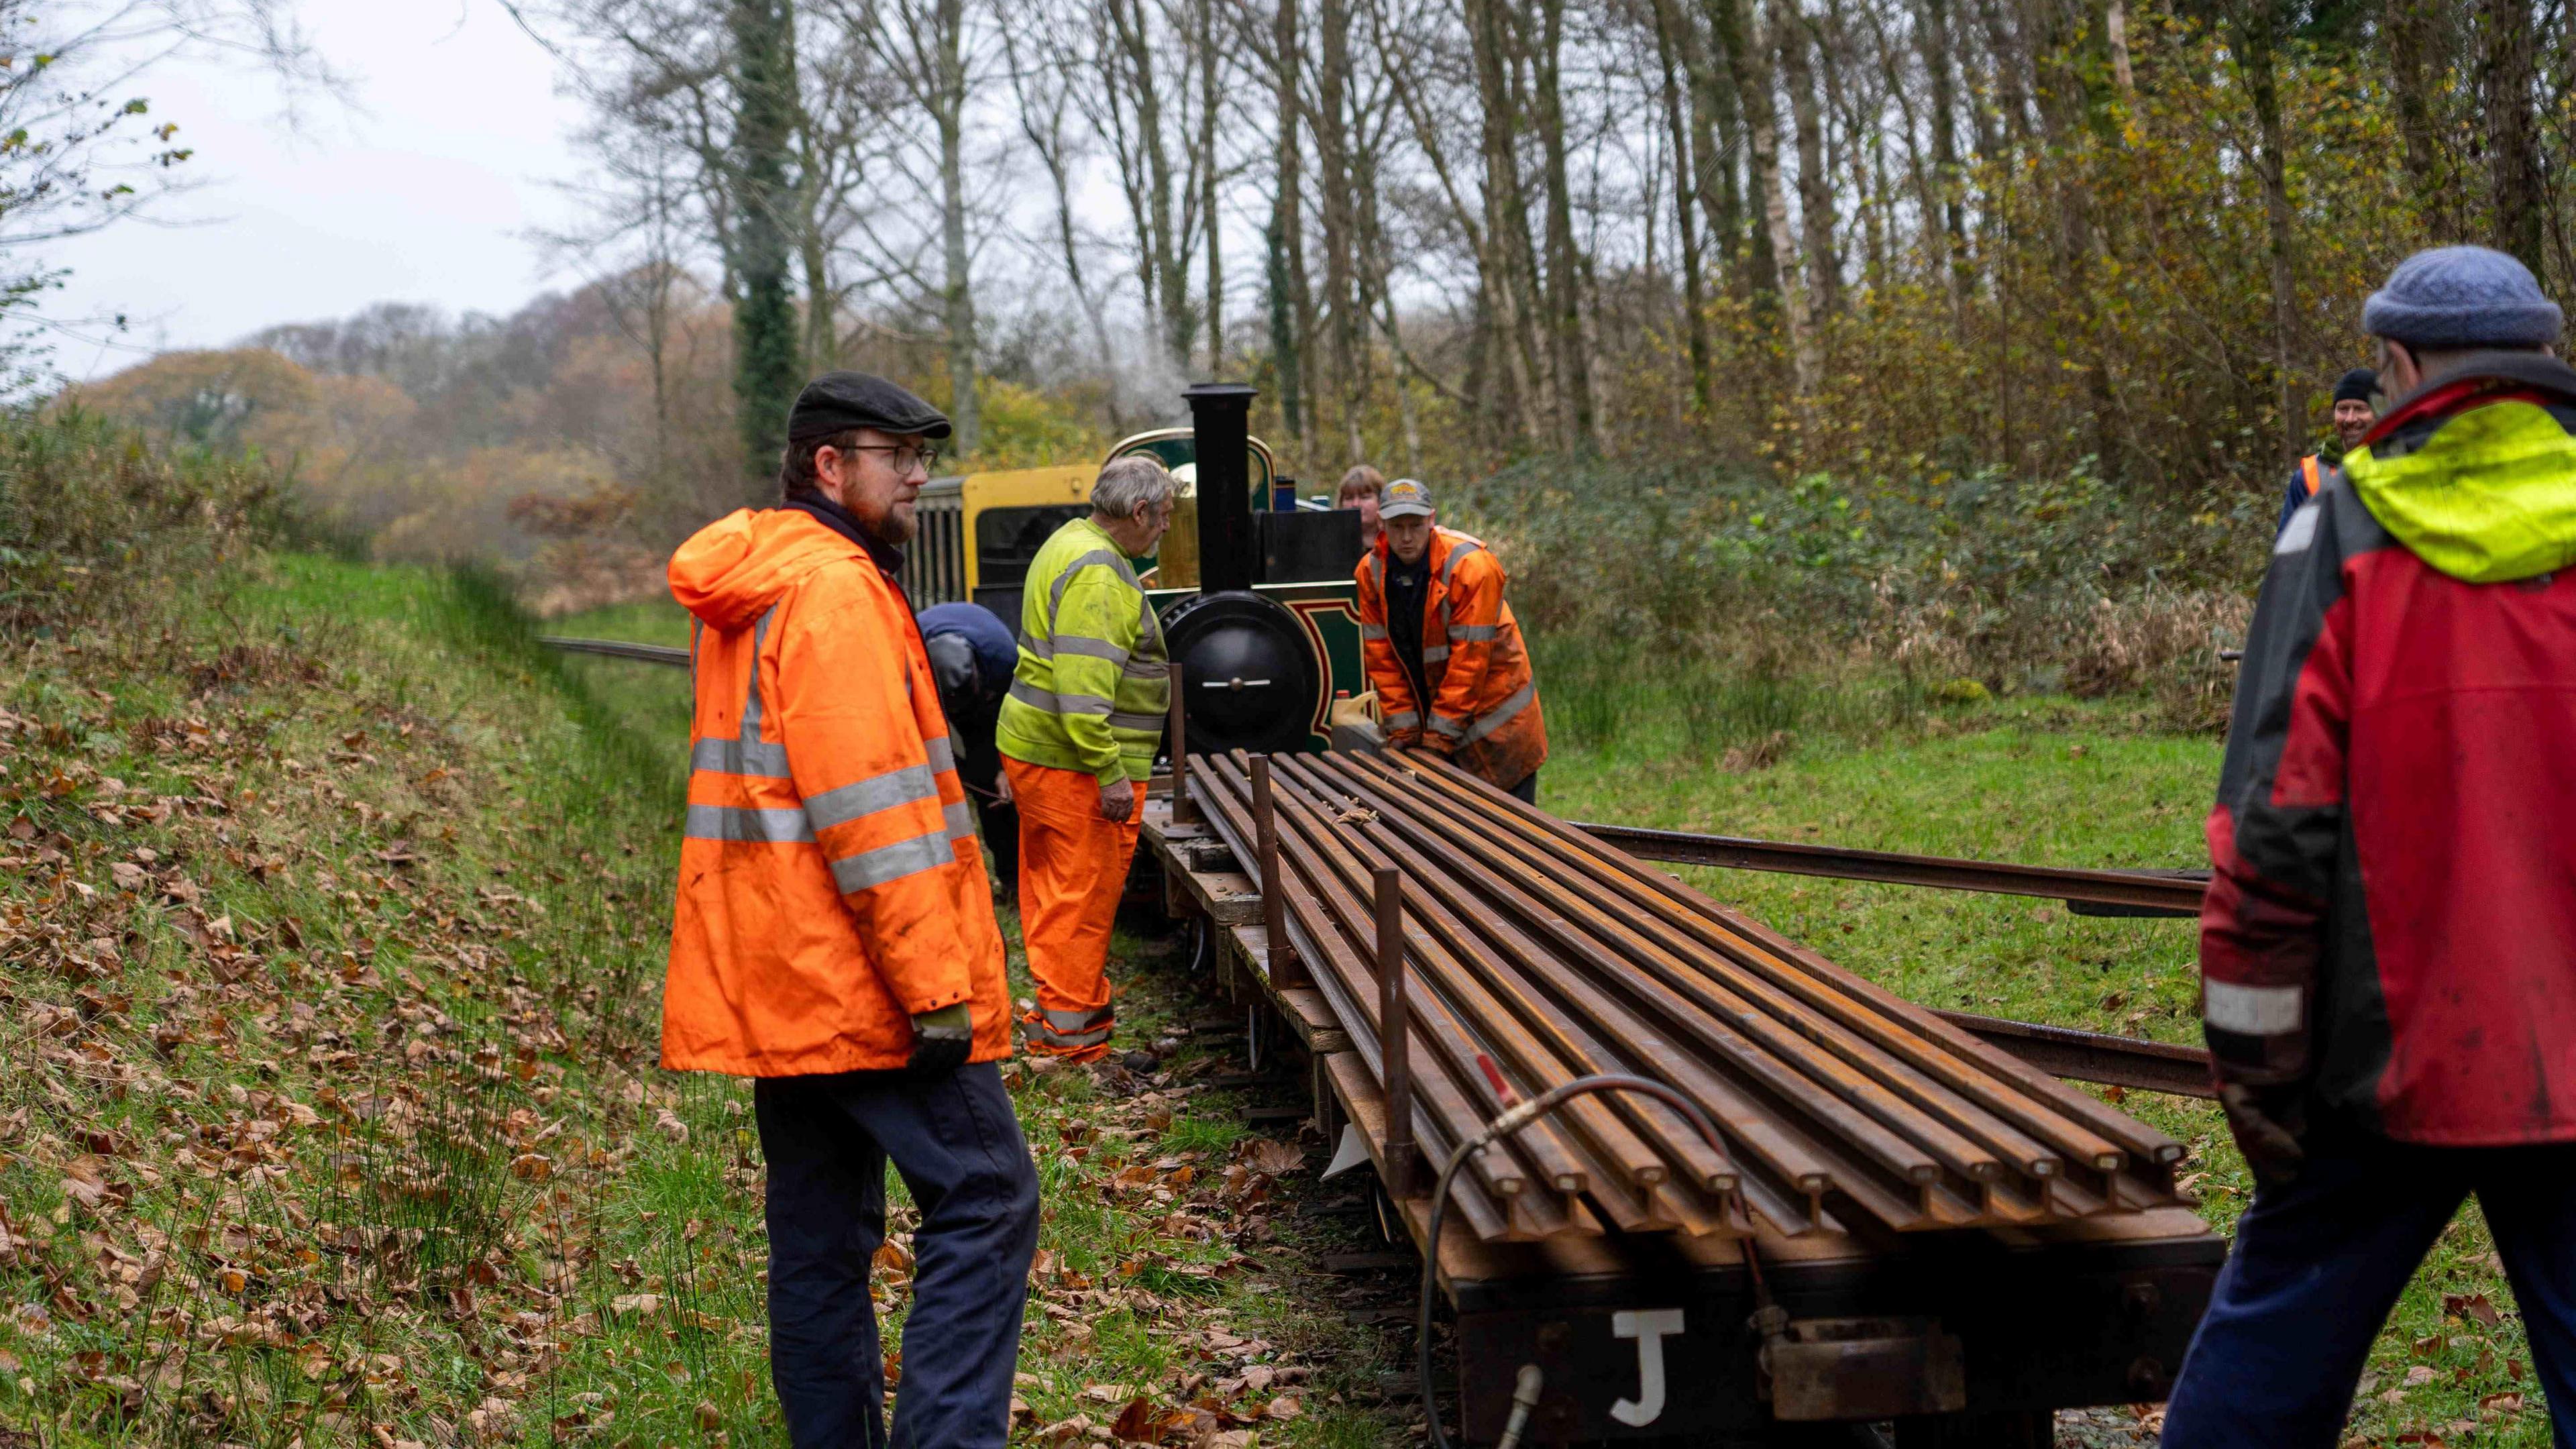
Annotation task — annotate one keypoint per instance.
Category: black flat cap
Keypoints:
(839, 401)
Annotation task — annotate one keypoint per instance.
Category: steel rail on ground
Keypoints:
(2159, 893)
(618, 649)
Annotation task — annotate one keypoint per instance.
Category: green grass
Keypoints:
(650, 699)
(329, 947)
(2048, 782)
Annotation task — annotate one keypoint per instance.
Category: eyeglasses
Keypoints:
(907, 456)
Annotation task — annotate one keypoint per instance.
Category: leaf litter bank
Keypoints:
(330, 916)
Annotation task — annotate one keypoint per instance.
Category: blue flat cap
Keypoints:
(2451, 298)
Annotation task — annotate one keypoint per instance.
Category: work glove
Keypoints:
(940, 1041)
(1407, 738)
(1117, 799)
(1439, 744)
(2267, 1123)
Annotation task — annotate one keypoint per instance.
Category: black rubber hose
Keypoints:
(1506, 1125)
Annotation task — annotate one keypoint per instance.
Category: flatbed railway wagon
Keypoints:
(1772, 1313)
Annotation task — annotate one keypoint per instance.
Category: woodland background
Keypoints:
(1930, 321)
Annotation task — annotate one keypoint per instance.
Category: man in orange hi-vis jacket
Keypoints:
(1443, 651)
(834, 935)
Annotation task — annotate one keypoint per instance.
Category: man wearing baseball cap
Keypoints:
(2388, 944)
(834, 936)
(1443, 651)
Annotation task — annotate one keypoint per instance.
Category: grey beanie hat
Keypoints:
(2461, 297)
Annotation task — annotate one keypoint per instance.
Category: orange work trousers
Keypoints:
(1073, 868)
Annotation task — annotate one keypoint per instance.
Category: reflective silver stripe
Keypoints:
(1460, 633)
(1049, 1036)
(1449, 565)
(1146, 669)
(747, 825)
(854, 873)
(941, 761)
(1373, 632)
(1078, 1020)
(1036, 698)
(1501, 714)
(1404, 719)
(1143, 723)
(741, 757)
(1090, 648)
(1436, 654)
(2252, 1010)
(961, 821)
(1442, 725)
(1109, 556)
(843, 804)
(1377, 570)
(2299, 535)
(748, 753)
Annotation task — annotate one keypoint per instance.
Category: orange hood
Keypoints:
(732, 570)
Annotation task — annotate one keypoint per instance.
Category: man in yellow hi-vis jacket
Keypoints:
(1077, 736)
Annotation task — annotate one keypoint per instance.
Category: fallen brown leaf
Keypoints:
(2472, 1306)
(1273, 1157)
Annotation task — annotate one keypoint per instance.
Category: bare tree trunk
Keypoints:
(1042, 122)
(1286, 303)
(965, 413)
(1164, 262)
(1716, 123)
(1735, 26)
(1806, 360)
(1564, 261)
(1685, 180)
(2115, 34)
(1940, 61)
(2508, 71)
(1208, 176)
(1815, 174)
(1507, 215)
(1341, 223)
(2011, 69)
(2256, 25)
(2417, 44)
(1862, 146)
(764, 322)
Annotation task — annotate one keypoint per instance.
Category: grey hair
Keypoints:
(1128, 486)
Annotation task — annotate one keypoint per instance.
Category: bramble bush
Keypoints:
(1950, 585)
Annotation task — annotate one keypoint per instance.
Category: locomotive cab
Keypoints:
(1254, 587)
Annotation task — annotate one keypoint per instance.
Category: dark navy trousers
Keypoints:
(956, 1142)
(2318, 1264)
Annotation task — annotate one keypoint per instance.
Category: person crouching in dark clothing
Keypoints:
(972, 656)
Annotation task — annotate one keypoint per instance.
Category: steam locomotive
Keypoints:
(1253, 587)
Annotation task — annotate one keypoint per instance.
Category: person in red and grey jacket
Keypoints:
(2388, 945)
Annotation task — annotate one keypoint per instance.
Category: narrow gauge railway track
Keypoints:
(2123, 892)
(1528, 942)
(2062, 1051)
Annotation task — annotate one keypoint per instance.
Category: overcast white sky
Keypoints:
(420, 193)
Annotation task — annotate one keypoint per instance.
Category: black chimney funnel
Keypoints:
(1220, 422)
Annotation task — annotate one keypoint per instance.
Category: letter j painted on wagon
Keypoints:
(1649, 1327)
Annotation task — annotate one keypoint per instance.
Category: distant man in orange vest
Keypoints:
(2355, 409)
(834, 936)
(1443, 650)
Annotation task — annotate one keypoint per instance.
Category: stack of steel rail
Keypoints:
(1531, 945)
